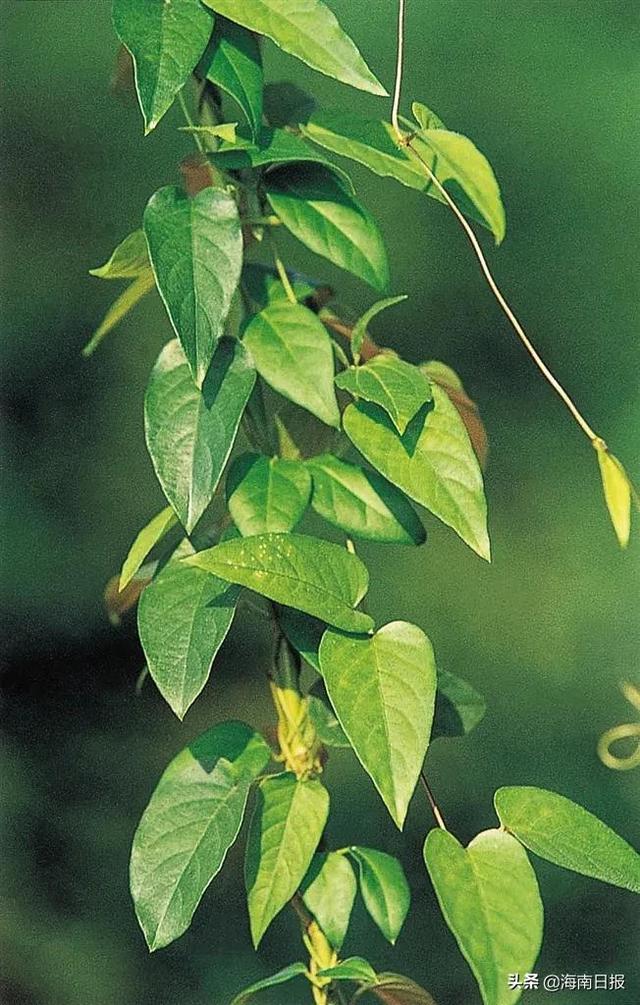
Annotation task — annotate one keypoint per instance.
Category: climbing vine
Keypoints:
(264, 405)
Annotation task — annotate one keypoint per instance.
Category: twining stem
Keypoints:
(405, 140)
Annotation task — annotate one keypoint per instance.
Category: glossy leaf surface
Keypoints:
(183, 618)
(267, 494)
(190, 823)
(362, 502)
(306, 29)
(148, 537)
(314, 204)
(166, 39)
(234, 65)
(195, 246)
(397, 386)
(292, 352)
(489, 897)
(383, 691)
(384, 889)
(286, 827)
(433, 463)
(312, 575)
(566, 834)
(189, 432)
(329, 890)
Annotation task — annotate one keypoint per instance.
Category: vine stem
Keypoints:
(282, 272)
(190, 122)
(432, 803)
(406, 141)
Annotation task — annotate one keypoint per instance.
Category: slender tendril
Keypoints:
(432, 803)
(406, 141)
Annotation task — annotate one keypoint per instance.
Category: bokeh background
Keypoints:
(549, 89)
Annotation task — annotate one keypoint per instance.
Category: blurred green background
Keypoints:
(549, 89)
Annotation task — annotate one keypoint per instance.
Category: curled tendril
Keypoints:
(622, 732)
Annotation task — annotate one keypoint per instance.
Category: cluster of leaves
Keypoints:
(248, 424)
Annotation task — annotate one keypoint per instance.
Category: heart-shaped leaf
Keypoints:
(192, 820)
(384, 889)
(183, 618)
(306, 29)
(312, 575)
(566, 834)
(383, 690)
(292, 352)
(286, 827)
(433, 463)
(397, 386)
(314, 204)
(166, 41)
(329, 890)
(362, 503)
(266, 493)
(490, 900)
(189, 432)
(195, 245)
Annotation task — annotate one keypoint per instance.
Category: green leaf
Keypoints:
(267, 494)
(195, 246)
(569, 836)
(490, 900)
(460, 163)
(282, 977)
(192, 820)
(397, 386)
(292, 352)
(286, 827)
(190, 433)
(360, 328)
(383, 690)
(144, 542)
(373, 144)
(394, 989)
(323, 717)
(362, 502)
(308, 30)
(459, 707)
(312, 575)
(314, 204)
(183, 618)
(166, 40)
(355, 968)
(272, 146)
(303, 632)
(433, 463)
(329, 890)
(129, 260)
(234, 64)
(120, 308)
(617, 492)
(384, 889)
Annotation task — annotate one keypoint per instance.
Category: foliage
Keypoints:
(247, 400)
